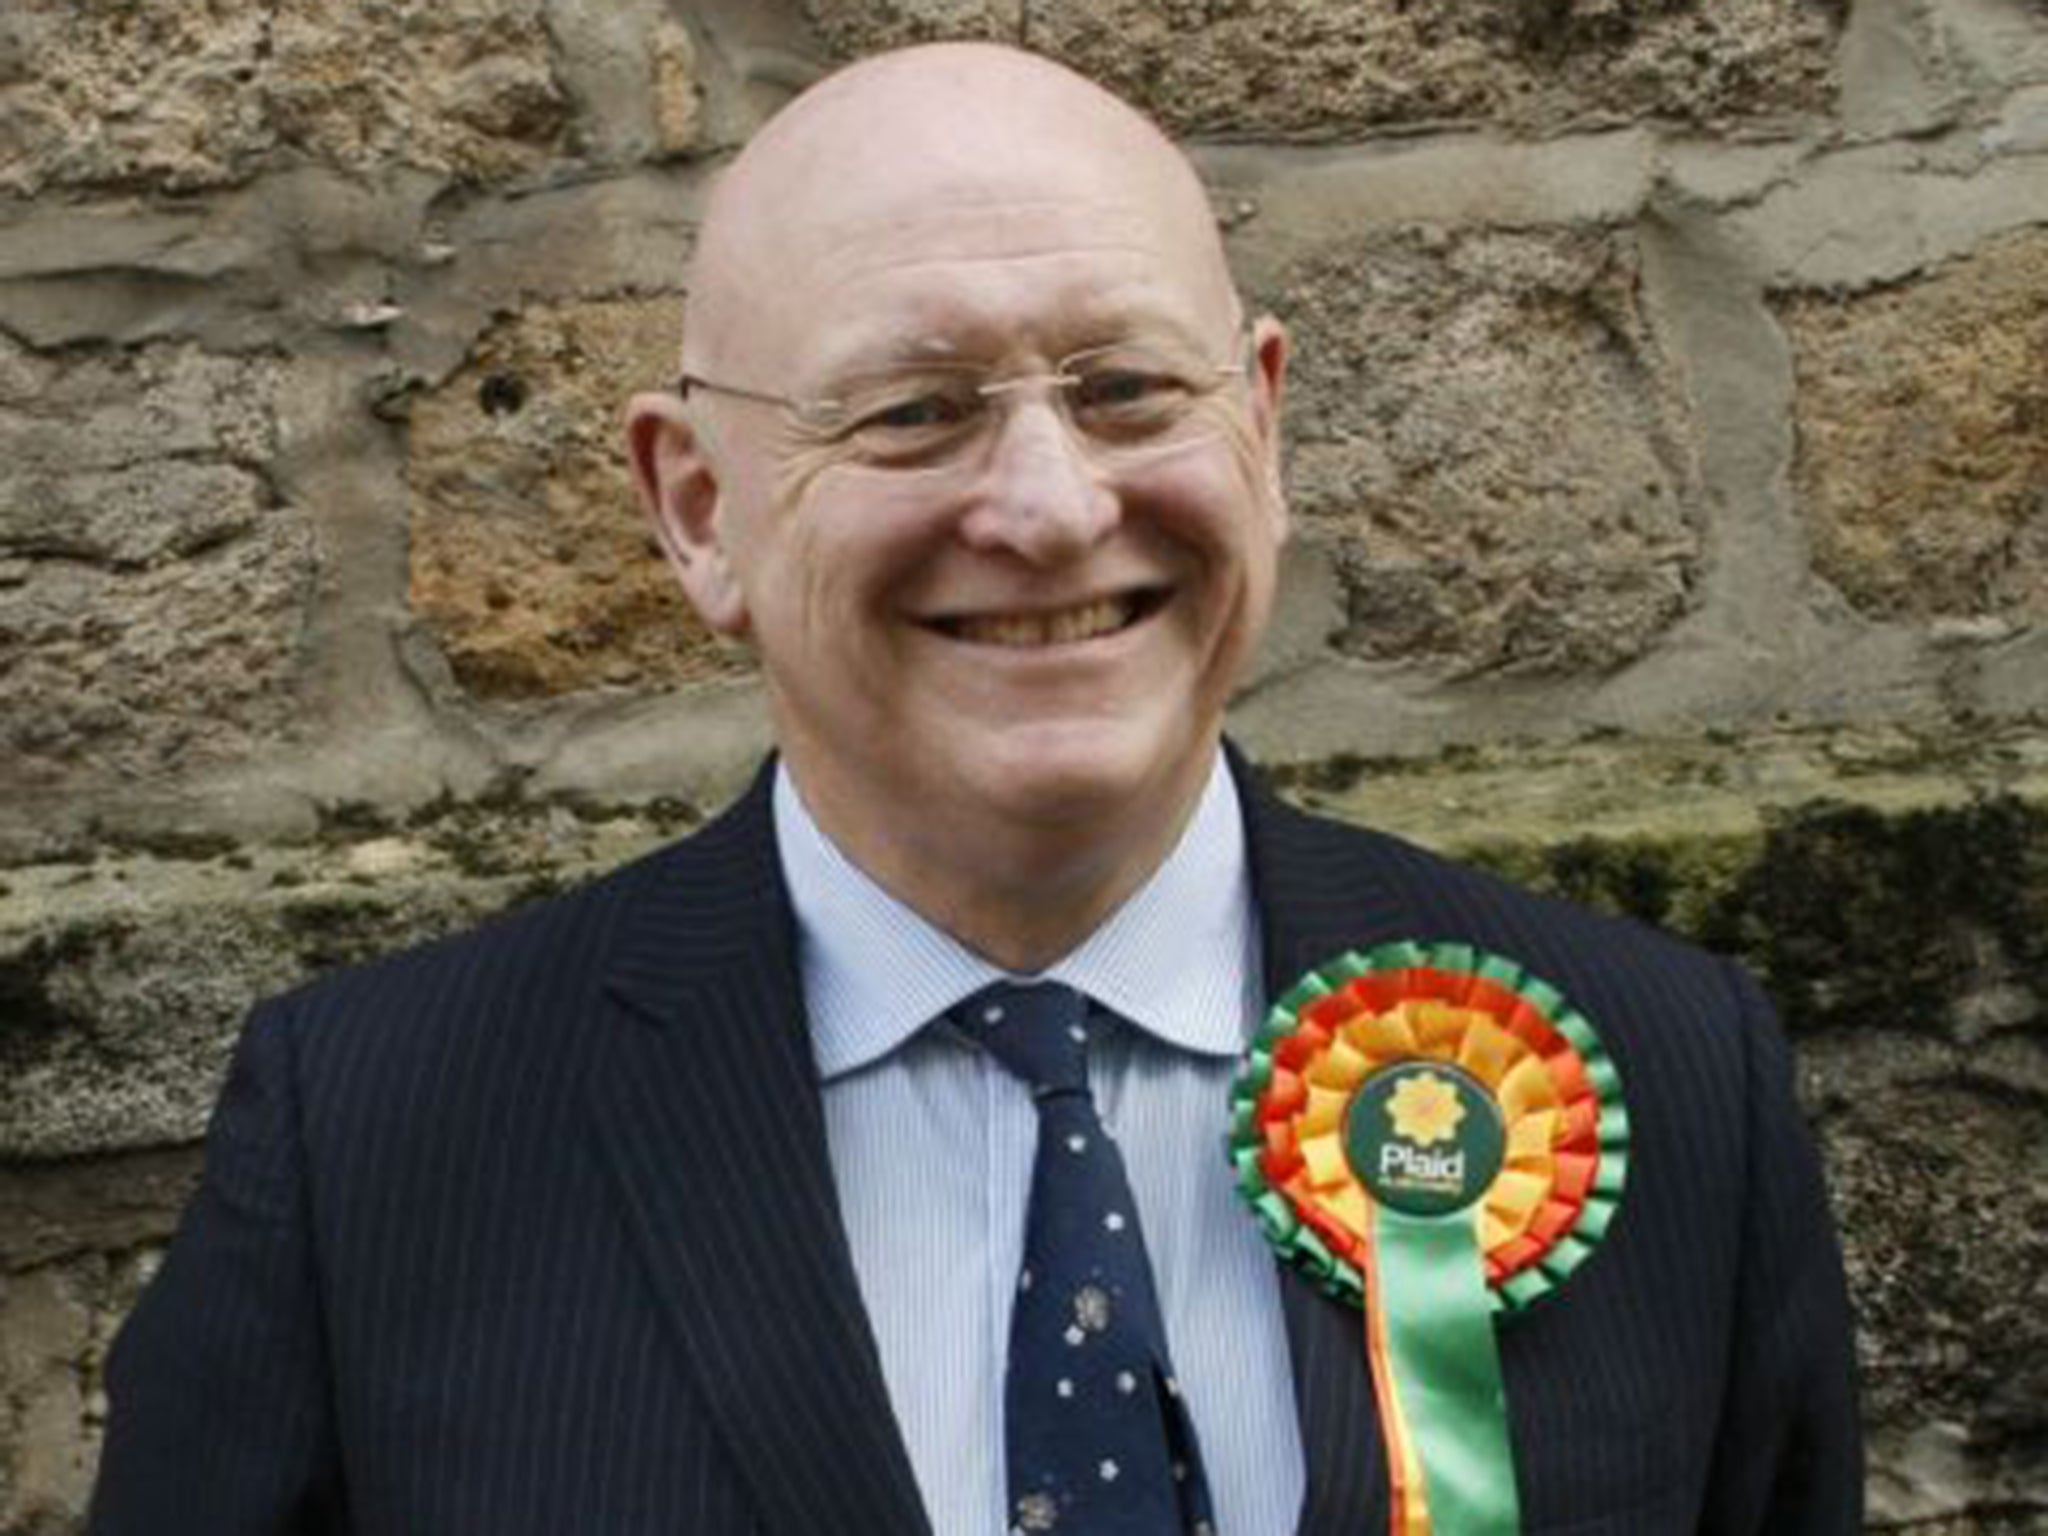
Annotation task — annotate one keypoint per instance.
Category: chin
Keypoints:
(1057, 774)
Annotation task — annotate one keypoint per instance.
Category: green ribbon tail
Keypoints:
(1446, 1369)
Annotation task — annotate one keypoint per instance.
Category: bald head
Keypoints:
(1002, 579)
(925, 134)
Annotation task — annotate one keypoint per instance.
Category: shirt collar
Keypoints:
(1179, 959)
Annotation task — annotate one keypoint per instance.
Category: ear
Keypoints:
(678, 485)
(1269, 391)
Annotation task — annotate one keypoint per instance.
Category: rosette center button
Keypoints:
(1424, 1137)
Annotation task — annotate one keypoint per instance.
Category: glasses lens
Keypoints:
(1124, 403)
(909, 419)
(1126, 399)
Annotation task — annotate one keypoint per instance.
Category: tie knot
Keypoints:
(1038, 1030)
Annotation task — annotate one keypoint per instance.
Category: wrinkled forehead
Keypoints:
(945, 196)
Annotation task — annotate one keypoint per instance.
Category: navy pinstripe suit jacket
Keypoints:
(533, 1231)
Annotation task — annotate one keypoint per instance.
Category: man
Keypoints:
(709, 1199)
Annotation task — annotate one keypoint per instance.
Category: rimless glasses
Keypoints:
(1124, 403)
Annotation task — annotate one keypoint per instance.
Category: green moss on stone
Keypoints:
(1856, 919)
(1669, 882)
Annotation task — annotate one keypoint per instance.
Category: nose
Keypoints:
(1038, 495)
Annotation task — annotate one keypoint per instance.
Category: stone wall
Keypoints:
(1670, 456)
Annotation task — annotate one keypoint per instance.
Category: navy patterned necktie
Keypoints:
(1099, 1441)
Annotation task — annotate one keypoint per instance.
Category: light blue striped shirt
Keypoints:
(932, 1143)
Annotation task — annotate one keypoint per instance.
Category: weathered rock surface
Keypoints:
(1314, 68)
(631, 68)
(152, 583)
(1943, 1191)
(855, 27)
(77, 1241)
(182, 96)
(1485, 429)
(56, 1322)
(72, 1206)
(532, 563)
(123, 982)
(1923, 437)
(1921, 1473)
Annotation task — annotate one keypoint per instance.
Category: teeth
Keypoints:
(1064, 627)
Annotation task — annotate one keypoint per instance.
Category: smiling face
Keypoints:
(1039, 639)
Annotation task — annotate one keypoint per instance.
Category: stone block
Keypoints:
(532, 564)
(180, 96)
(631, 70)
(56, 1323)
(153, 585)
(1922, 413)
(855, 27)
(121, 1018)
(1934, 1480)
(1486, 433)
(59, 1210)
(123, 982)
(1322, 68)
(45, 1327)
(1943, 1192)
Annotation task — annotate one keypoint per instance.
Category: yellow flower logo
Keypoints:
(1425, 1109)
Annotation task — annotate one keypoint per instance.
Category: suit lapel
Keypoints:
(706, 1108)
(1316, 900)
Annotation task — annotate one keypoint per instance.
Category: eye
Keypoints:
(1111, 387)
(931, 410)
(1120, 395)
(910, 419)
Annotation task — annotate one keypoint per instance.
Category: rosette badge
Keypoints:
(1436, 1137)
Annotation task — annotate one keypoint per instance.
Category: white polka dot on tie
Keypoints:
(1075, 1335)
(1172, 1387)
(1077, 1034)
(1109, 1470)
(1023, 1279)
(1114, 1221)
(1180, 1471)
(1064, 1387)
(1077, 1143)
(992, 1014)
(1126, 1383)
